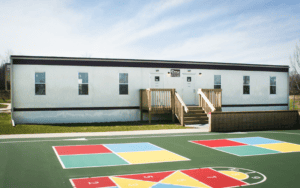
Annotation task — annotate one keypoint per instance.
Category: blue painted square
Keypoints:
(255, 140)
(132, 147)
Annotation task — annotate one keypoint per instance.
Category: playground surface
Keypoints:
(179, 160)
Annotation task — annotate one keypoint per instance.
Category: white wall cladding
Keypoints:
(62, 91)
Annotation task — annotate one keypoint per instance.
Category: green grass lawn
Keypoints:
(297, 102)
(3, 106)
(5, 101)
(7, 128)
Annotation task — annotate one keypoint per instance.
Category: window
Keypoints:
(156, 78)
(273, 85)
(83, 81)
(123, 83)
(189, 79)
(40, 83)
(217, 82)
(246, 85)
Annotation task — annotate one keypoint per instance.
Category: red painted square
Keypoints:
(85, 149)
(93, 182)
(218, 143)
(213, 178)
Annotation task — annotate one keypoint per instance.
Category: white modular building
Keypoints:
(84, 90)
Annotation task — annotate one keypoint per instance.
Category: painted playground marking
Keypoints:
(249, 146)
(86, 156)
(214, 177)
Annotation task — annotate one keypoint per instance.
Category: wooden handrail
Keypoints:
(200, 92)
(210, 99)
(182, 103)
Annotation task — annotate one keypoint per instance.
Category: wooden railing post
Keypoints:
(141, 105)
(173, 104)
(182, 115)
(149, 104)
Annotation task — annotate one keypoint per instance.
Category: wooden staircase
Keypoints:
(195, 115)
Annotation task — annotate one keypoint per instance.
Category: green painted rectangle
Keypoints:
(246, 150)
(92, 160)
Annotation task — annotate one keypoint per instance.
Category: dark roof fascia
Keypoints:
(78, 61)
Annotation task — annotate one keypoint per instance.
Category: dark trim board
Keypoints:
(77, 108)
(252, 105)
(104, 62)
(127, 107)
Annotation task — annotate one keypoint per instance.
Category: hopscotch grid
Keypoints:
(171, 152)
(245, 155)
(118, 156)
(215, 149)
(59, 159)
(125, 164)
(232, 178)
(254, 145)
(129, 163)
(256, 137)
(196, 179)
(265, 178)
(174, 172)
(193, 141)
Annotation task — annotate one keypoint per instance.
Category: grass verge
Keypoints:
(5, 101)
(297, 102)
(7, 128)
(3, 106)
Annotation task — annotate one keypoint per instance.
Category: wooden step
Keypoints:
(196, 111)
(195, 118)
(196, 122)
(195, 114)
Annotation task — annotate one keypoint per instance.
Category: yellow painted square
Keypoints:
(151, 156)
(282, 147)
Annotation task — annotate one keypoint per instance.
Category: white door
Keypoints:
(157, 81)
(188, 94)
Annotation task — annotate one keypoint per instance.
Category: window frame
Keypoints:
(123, 84)
(83, 84)
(217, 84)
(39, 84)
(246, 85)
(273, 86)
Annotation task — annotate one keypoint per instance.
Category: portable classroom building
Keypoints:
(79, 90)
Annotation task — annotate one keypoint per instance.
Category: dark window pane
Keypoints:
(272, 89)
(83, 78)
(217, 79)
(217, 86)
(246, 90)
(189, 79)
(246, 79)
(40, 89)
(83, 89)
(123, 89)
(40, 78)
(156, 78)
(273, 81)
(123, 78)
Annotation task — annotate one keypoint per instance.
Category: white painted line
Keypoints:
(113, 138)
(62, 164)
(76, 139)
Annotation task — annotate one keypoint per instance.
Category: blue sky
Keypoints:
(259, 32)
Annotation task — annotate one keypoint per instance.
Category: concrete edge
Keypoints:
(117, 133)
